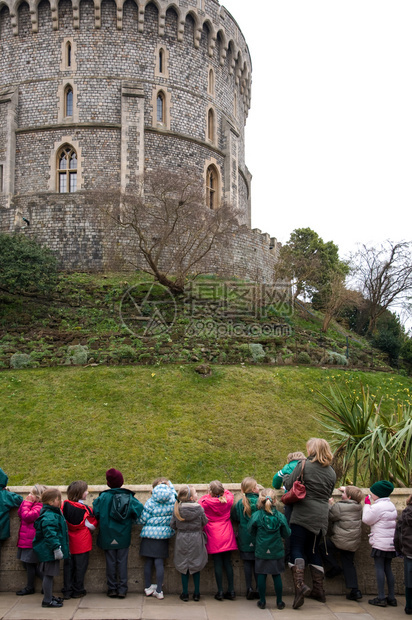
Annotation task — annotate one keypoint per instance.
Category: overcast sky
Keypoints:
(329, 133)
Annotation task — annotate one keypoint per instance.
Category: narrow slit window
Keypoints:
(160, 108)
(210, 125)
(1, 178)
(69, 55)
(69, 101)
(211, 83)
(161, 60)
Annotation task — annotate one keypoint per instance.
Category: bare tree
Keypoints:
(338, 296)
(173, 228)
(383, 276)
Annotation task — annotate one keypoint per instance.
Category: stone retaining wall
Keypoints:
(12, 575)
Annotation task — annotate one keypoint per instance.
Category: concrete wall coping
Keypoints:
(398, 497)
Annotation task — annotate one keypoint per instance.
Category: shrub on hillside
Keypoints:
(26, 266)
(304, 358)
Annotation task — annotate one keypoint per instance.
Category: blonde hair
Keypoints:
(50, 495)
(354, 493)
(185, 494)
(320, 450)
(216, 489)
(247, 485)
(267, 500)
(295, 456)
(37, 491)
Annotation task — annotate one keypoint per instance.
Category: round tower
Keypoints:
(94, 90)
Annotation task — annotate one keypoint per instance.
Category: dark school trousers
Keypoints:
(116, 569)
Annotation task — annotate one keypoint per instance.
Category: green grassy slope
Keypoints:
(66, 423)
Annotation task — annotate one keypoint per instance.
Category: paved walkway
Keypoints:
(138, 607)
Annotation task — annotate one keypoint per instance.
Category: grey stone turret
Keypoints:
(105, 89)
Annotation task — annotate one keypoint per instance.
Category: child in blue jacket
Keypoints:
(155, 534)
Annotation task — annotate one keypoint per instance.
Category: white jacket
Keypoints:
(381, 516)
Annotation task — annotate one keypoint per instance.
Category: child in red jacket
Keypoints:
(80, 523)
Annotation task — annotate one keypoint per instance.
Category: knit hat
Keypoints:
(114, 478)
(382, 488)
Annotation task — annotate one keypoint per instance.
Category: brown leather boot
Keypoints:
(318, 577)
(301, 589)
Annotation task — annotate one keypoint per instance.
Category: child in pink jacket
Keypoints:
(28, 512)
(220, 535)
(381, 516)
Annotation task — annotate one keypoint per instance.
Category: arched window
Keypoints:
(161, 60)
(212, 187)
(68, 55)
(68, 101)
(160, 107)
(67, 170)
(211, 83)
(211, 125)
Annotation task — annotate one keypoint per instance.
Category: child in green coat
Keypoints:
(116, 509)
(269, 527)
(8, 500)
(51, 543)
(241, 513)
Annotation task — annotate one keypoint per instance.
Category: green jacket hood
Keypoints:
(3, 479)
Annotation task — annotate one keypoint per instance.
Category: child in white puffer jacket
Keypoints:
(381, 516)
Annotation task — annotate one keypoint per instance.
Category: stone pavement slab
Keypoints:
(139, 607)
(171, 607)
(29, 608)
(100, 607)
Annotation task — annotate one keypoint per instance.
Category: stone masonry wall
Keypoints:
(114, 57)
(12, 575)
(80, 240)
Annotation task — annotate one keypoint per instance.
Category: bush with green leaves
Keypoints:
(375, 444)
(25, 266)
(21, 360)
(76, 355)
(304, 358)
(337, 358)
(257, 351)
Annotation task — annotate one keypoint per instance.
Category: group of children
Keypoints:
(51, 531)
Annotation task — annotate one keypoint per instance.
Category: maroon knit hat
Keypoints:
(114, 478)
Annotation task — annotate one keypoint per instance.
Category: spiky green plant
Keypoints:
(347, 420)
(373, 442)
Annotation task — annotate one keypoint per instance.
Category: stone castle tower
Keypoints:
(106, 89)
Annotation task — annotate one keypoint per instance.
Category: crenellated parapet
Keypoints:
(221, 28)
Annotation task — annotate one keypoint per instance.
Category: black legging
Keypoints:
(223, 561)
(160, 572)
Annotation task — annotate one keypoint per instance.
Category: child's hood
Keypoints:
(3, 479)
(163, 494)
(214, 505)
(189, 511)
(270, 522)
